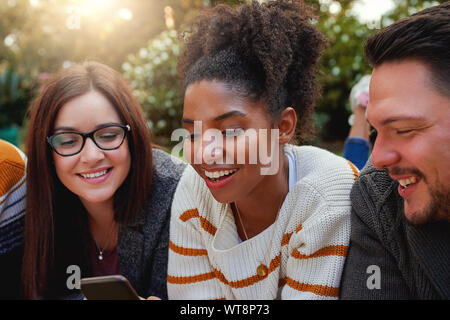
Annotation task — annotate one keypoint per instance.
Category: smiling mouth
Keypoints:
(216, 176)
(94, 175)
(405, 183)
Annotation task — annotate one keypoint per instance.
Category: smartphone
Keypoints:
(114, 287)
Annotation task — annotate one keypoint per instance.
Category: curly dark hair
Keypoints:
(266, 52)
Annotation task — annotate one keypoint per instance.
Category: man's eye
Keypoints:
(404, 131)
(232, 132)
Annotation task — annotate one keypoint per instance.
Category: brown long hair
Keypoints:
(43, 186)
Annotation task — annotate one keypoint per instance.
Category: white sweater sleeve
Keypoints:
(190, 274)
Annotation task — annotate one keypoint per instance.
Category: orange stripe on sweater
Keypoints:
(190, 279)
(206, 225)
(314, 288)
(189, 214)
(287, 236)
(326, 251)
(273, 265)
(187, 251)
(355, 170)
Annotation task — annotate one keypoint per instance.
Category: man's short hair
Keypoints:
(424, 36)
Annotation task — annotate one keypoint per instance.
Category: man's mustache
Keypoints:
(403, 171)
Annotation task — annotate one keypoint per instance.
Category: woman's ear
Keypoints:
(287, 125)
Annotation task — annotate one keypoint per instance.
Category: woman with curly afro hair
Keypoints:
(254, 216)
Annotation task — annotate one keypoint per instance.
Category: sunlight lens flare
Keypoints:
(90, 7)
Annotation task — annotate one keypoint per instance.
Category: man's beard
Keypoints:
(439, 204)
(437, 208)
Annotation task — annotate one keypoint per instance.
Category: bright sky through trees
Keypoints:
(370, 10)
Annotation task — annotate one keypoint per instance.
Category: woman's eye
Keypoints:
(108, 136)
(67, 142)
(232, 132)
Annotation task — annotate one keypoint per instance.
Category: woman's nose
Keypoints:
(210, 151)
(90, 152)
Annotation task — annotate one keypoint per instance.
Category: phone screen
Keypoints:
(114, 287)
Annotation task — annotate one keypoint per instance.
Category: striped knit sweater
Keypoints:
(304, 249)
(12, 196)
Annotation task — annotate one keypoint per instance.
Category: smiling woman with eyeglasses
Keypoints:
(98, 194)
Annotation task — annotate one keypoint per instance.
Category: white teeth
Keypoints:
(405, 182)
(218, 174)
(94, 175)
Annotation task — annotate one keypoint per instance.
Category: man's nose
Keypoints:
(384, 153)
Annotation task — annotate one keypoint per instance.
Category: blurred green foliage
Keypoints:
(152, 74)
(343, 63)
(41, 36)
(38, 37)
(12, 96)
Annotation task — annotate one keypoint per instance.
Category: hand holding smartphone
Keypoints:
(114, 287)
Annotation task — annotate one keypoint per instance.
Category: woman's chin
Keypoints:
(96, 199)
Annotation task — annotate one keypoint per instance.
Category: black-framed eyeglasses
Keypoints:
(107, 137)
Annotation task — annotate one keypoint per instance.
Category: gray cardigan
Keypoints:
(143, 246)
(414, 261)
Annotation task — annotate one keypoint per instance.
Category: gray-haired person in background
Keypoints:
(400, 241)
